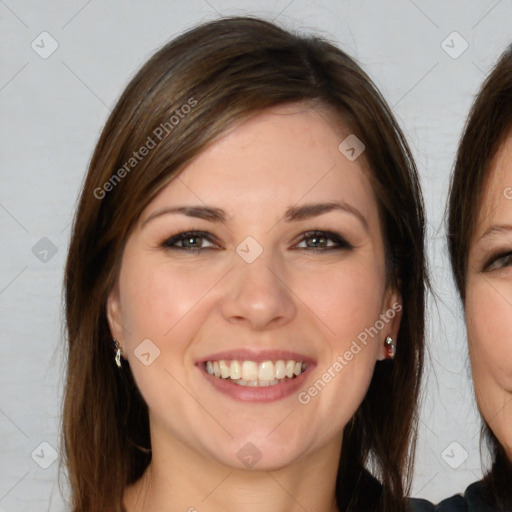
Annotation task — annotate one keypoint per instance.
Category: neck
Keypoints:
(181, 479)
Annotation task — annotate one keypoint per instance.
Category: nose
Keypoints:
(258, 296)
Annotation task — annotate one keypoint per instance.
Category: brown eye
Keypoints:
(319, 240)
(501, 261)
(189, 240)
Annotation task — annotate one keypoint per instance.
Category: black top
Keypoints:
(454, 504)
(472, 501)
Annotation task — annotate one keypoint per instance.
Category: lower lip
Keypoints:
(257, 394)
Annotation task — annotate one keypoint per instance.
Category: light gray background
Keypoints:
(53, 109)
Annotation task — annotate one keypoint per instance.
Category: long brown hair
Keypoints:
(488, 124)
(224, 72)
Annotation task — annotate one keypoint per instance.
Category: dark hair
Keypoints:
(224, 72)
(488, 124)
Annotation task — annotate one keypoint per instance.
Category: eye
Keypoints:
(499, 261)
(319, 241)
(192, 241)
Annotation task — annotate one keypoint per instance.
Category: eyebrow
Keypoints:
(292, 214)
(501, 229)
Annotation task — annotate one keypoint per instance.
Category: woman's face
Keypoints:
(489, 300)
(262, 260)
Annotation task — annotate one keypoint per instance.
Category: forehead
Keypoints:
(287, 154)
(496, 203)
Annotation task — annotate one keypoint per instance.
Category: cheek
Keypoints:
(157, 297)
(350, 300)
(489, 325)
(165, 304)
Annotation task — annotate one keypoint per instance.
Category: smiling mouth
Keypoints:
(251, 373)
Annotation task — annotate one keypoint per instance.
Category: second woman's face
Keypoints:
(252, 302)
(489, 300)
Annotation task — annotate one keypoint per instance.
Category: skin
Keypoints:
(292, 297)
(489, 299)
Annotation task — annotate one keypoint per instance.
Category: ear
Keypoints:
(114, 316)
(391, 317)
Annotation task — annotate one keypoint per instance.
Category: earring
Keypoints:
(390, 347)
(118, 353)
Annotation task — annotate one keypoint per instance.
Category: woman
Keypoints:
(480, 243)
(250, 234)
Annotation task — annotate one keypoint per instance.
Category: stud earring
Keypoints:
(390, 347)
(118, 353)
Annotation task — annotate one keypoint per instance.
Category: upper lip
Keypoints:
(258, 356)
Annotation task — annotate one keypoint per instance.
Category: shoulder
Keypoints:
(456, 503)
(419, 505)
(474, 500)
(477, 498)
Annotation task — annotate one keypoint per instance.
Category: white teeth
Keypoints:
(250, 373)
(235, 371)
(224, 369)
(249, 370)
(259, 383)
(266, 370)
(280, 369)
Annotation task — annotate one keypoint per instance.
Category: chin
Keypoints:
(247, 452)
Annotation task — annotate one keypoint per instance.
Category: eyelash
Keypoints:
(342, 244)
(491, 264)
